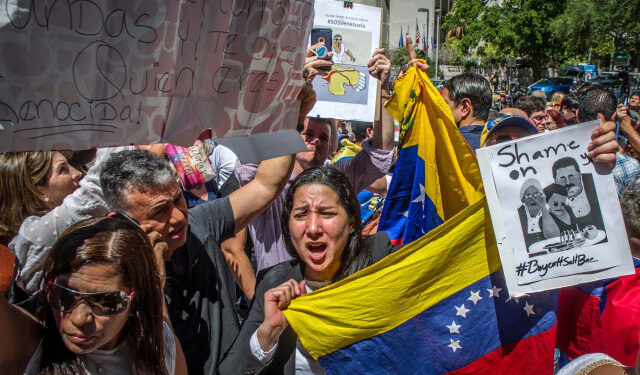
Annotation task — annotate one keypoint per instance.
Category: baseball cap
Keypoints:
(509, 120)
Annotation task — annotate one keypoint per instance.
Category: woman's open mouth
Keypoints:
(317, 251)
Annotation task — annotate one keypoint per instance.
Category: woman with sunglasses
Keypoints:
(101, 308)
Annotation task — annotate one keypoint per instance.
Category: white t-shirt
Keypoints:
(337, 57)
(114, 361)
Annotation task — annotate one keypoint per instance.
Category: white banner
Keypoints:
(93, 73)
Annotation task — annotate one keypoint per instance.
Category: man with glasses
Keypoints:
(536, 110)
(339, 50)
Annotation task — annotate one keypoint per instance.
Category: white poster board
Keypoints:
(555, 213)
(80, 74)
(348, 91)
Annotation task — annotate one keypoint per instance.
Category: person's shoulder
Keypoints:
(379, 245)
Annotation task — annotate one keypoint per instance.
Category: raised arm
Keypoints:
(627, 128)
(253, 198)
(380, 68)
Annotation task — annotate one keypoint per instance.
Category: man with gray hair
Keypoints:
(200, 290)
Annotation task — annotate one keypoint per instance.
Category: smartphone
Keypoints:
(121, 215)
(321, 34)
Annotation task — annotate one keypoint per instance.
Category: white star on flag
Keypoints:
(454, 345)
(475, 297)
(406, 213)
(454, 328)
(494, 292)
(528, 308)
(462, 311)
(420, 198)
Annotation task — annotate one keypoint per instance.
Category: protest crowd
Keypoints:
(126, 260)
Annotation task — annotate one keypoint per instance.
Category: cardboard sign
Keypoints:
(555, 213)
(86, 73)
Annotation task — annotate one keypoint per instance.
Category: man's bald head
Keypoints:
(513, 111)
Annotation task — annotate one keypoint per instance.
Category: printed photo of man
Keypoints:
(582, 197)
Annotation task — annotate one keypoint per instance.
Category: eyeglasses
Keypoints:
(532, 196)
(540, 118)
(101, 303)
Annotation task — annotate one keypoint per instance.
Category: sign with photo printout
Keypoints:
(81, 74)
(555, 213)
(347, 91)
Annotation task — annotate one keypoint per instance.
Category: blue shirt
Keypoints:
(471, 134)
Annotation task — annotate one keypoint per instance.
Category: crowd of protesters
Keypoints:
(111, 263)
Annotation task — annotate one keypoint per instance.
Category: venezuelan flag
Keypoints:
(437, 174)
(436, 306)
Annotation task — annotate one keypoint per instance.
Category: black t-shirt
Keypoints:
(200, 289)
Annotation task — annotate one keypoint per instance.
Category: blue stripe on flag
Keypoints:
(408, 213)
(450, 334)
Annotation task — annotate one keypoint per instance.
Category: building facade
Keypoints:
(405, 14)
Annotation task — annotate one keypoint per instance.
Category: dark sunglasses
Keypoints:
(101, 303)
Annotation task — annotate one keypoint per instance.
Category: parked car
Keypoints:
(552, 85)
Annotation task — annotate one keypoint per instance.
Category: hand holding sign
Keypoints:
(316, 60)
(380, 66)
(603, 145)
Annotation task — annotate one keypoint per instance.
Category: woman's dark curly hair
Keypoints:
(355, 256)
(126, 247)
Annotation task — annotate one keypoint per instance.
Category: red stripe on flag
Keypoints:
(397, 241)
(533, 355)
(583, 329)
(578, 323)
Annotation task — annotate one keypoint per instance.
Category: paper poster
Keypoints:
(347, 91)
(80, 74)
(555, 213)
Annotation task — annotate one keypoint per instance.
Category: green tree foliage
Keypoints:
(547, 33)
(517, 28)
(605, 26)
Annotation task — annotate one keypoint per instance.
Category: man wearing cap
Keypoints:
(506, 128)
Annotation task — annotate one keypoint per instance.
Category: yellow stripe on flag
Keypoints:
(452, 175)
(379, 298)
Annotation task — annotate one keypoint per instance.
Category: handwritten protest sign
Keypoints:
(347, 91)
(76, 74)
(555, 213)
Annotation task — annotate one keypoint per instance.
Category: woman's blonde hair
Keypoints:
(20, 175)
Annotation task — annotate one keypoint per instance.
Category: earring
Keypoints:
(46, 199)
